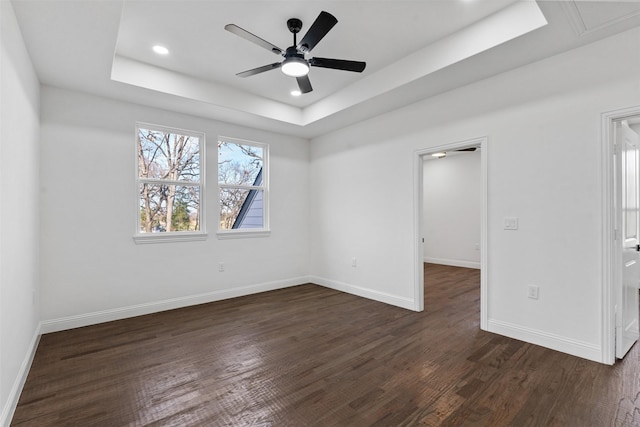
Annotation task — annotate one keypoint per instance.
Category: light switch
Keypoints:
(510, 223)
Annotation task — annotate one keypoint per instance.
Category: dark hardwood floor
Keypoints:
(311, 356)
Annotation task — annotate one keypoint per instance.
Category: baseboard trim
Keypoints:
(14, 395)
(453, 262)
(87, 319)
(555, 342)
(77, 321)
(384, 297)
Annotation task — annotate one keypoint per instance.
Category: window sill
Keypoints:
(143, 239)
(242, 234)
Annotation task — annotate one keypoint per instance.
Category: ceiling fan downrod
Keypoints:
(294, 25)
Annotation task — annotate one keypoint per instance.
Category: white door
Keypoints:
(627, 304)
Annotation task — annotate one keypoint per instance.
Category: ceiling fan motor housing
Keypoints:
(294, 64)
(292, 52)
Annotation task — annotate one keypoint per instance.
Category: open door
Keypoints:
(629, 220)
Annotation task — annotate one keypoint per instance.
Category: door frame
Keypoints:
(611, 250)
(418, 293)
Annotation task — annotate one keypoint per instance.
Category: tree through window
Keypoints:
(170, 180)
(242, 177)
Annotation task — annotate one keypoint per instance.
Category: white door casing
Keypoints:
(628, 208)
(418, 234)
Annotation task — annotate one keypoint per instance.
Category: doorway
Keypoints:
(621, 232)
(452, 149)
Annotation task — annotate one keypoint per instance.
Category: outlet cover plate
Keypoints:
(510, 223)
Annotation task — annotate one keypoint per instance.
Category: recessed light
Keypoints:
(160, 50)
(296, 93)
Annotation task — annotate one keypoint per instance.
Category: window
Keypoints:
(242, 182)
(170, 176)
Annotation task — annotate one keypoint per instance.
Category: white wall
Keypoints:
(90, 267)
(542, 122)
(451, 209)
(19, 97)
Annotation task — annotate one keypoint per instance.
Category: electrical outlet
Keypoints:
(221, 267)
(354, 262)
(511, 223)
(533, 291)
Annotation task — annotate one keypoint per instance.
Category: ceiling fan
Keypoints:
(295, 64)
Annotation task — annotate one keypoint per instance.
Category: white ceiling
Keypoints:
(201, 48)
(413, 49)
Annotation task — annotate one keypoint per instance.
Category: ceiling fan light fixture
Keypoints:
(295, 66)
(439, 154)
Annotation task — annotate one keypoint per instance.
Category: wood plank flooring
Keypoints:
(311, 356)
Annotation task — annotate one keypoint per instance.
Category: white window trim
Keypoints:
(172, 236)
(184, 236)
(242, 234)
(266, 177)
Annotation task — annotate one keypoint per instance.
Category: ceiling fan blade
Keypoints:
(259, 70)
(338, 64)
(468, 149)
(232, 28)
(304, 84)
(320, 27)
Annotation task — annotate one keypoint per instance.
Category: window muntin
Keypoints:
(242, 182)
(170, 176)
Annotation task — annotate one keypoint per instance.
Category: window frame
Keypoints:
(172, 236)
(239, 233)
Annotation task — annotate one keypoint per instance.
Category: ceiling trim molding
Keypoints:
(572, 11)
(575, 19)
(499, 28)
(129, 71)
